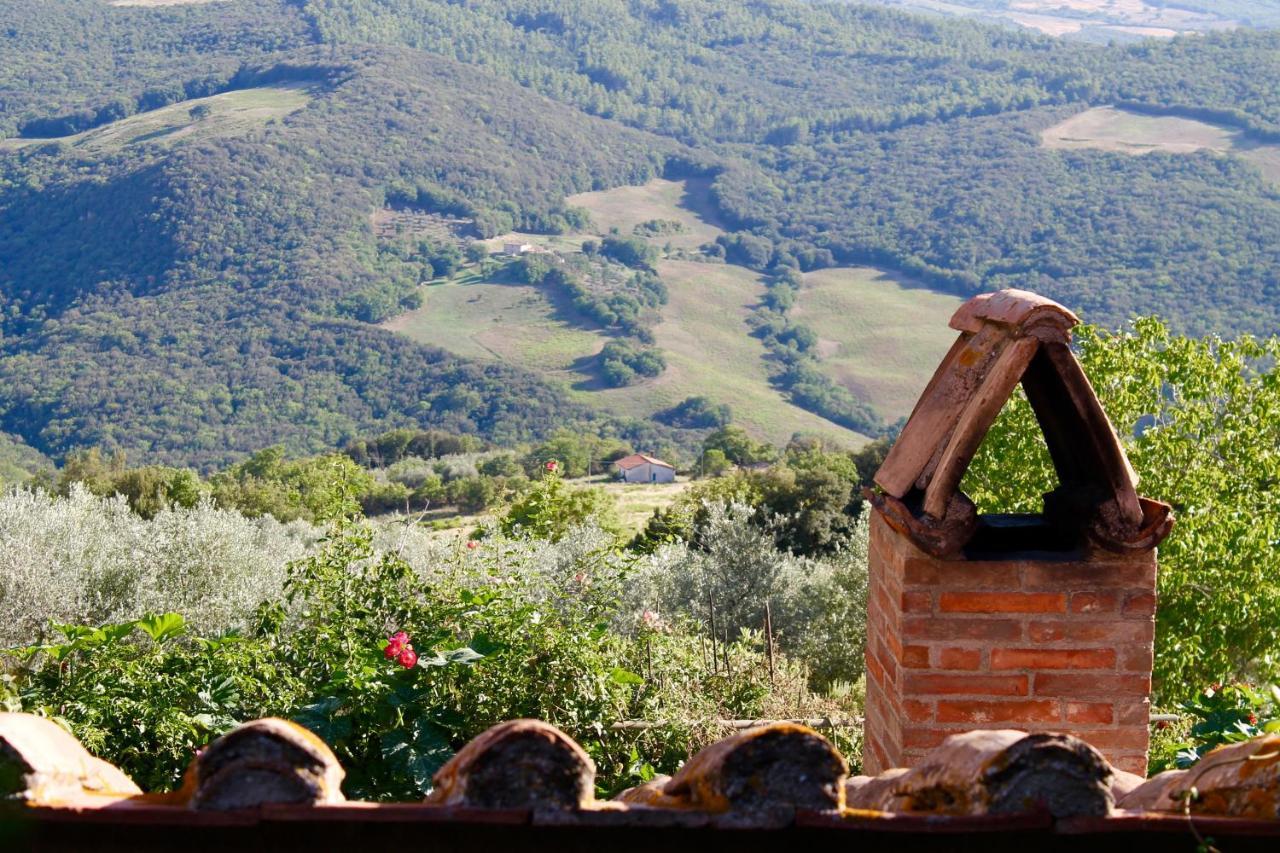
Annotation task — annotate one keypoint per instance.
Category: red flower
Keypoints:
(408, 657)
(551, 465)
(472, 544)
(396, 643)
(1163, 724)
(1253, 719)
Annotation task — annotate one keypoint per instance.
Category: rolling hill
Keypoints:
(209, 213)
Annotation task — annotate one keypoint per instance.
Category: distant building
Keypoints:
(638, 468)
(517, 248)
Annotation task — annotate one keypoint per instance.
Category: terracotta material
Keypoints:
(261, 762)
(653, 794)
(782, 766)
(1239, 779)
(871, 792)
(518, 764)
(1044, 622)
(1002, 772)
(1045, 645)
(42, 764)
(1124, 783)
(1006, 338)
(1026, 312)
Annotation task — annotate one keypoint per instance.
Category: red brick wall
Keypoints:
(956, 645)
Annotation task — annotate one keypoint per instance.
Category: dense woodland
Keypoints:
(193, 301)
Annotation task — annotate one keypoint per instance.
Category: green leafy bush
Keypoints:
(550, 508)
(86, 559)
(1200, 418)
(500, 628)
(1228, 714)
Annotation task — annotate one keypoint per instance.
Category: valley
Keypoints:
(295, 263)
(880, 338)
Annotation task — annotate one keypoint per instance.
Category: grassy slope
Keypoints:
(1103, 18)
(683, 201)
(878, 338)
(18, 462)
(1110, 129)
(231, 113)
(482, 318)
(710, 352)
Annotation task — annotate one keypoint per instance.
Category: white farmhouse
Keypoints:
(638, 468)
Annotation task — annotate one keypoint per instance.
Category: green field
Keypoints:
(1099, 20)
(493, 320)
(685, 202)
(878, 338)
(1111, 129)
(710, 352)
(229, 114)
(635, 503)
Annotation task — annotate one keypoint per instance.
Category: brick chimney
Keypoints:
(1038, 622)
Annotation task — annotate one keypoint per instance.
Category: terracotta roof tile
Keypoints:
(1007, 338)
(640, 459)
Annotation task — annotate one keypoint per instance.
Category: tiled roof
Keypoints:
(270, 785)
(1007, 338)
(640, 459)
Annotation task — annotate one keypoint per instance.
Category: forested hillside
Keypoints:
(187, 302)
(208, 287)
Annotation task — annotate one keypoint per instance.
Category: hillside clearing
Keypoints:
(635, 503)
(710, 352)
(685, 202)
(1112, 129)
(878, 338)
(228, 114)
(497, 321)
(156, 3)
(1097, 20)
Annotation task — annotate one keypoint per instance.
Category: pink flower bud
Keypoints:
(472, 544)
(551, 465)
(408, 658)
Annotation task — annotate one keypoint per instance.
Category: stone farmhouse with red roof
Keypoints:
(638, 468)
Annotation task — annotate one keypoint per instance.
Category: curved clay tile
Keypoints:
(1239, 779)
(43, 764)
(783, 765)
(1007, 338)
(1003, 771)
(518, 764)
(264, 761)
(1022, 310)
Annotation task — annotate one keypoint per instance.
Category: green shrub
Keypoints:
(86, 559)
(1200, 419)
(1227, 714)
(549, 509)
(500, 630)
